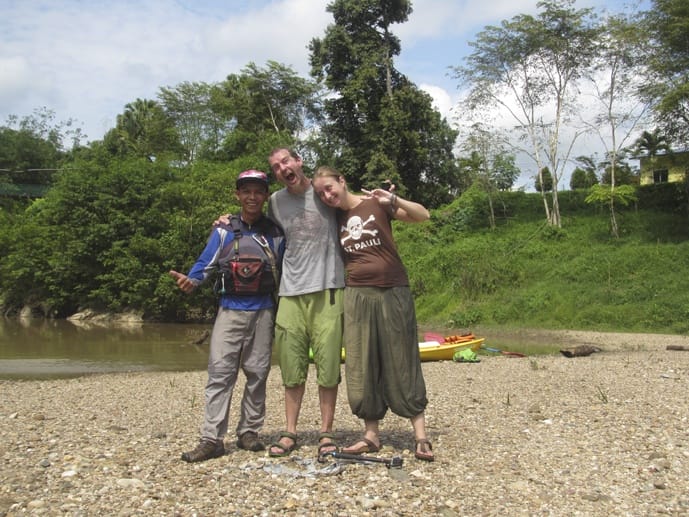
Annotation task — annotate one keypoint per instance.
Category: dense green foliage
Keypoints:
(528, 274)
(667, 24)
(106, 236)
(108, 231)
(32, 148)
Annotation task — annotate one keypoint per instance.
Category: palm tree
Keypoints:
(144, 129)
(133, 122)
(651, 144)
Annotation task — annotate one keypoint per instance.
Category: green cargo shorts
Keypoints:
(312, 320)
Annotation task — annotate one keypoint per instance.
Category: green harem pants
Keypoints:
(382, 364)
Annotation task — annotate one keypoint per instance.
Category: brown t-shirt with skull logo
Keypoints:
(370, 253)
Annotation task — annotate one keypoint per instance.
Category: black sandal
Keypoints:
(330, 443)
(285, 450)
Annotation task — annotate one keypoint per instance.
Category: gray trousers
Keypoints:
(240, 339)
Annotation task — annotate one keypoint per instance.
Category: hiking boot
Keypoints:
(249, 442)
(205, 450)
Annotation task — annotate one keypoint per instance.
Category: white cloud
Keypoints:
(86, 60)
(446, 18)
(280, 31)
(462, 19)
(14, 77)
(442, 101)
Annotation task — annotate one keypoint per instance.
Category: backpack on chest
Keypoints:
(246, 263)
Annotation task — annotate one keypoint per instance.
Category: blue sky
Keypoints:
(87, 59)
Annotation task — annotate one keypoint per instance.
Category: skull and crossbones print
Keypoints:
(356, 228)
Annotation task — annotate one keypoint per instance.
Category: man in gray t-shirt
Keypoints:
(310, 312)
(314, 260)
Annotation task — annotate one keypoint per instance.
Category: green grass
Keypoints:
(526, 274)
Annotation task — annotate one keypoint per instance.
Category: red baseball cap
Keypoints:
(252, 175)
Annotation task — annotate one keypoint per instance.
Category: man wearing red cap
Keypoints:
(310, 314)
(247, 252)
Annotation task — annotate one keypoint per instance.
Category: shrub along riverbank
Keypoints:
(531, 275)
(523, 273)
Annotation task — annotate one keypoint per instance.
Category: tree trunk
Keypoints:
(545, 199)
(555, 213)
(613, 221)
(491, 215)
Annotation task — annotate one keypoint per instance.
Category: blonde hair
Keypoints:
(324, 171)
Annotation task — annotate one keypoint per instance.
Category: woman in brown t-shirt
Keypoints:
(382, 364)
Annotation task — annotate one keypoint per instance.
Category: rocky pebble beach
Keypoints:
(605, 434)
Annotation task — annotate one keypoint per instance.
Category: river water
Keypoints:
(37, 348)
(42, 349)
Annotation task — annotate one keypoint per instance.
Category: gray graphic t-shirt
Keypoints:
(312, 261)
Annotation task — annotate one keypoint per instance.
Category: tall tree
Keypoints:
(270, 102)
(617, 170)
(142, 130)
(651, 143)
(197, 111)
(529, 67)
(616, 76)
(492, 169)
(33, 147)
(667, 87)
(584, 175)
(543, 181)
(380, 126)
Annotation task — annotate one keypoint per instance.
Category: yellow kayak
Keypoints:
(434, 351)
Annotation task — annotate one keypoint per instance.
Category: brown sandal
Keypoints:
(424, 450)
(368, 446)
